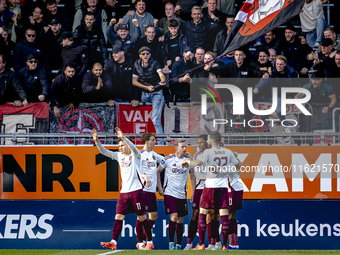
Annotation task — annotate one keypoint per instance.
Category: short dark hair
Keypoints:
(149, 26)
(229, 16)
(204, 136)
(90, 14)
(30, 29)
(70, 65)
(146, 137)
(3, 59)
(139, 1)
(173, 23)
(265, 51)
(51, 2)
(199, 48)
(216, 136)
(337, 52)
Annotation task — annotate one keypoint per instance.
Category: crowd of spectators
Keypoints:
(110, 51)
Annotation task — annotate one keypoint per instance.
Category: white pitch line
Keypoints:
(85, 230)
(110, 252)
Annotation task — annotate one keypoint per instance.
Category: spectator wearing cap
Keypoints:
(200, 32)
(170, 14)
(174, 42)
(321, 92)
(74, 54)
(97, 86)
(120, 69)
(151, 41)
(294, 51)
(10, 87)
(180, 86)
(222, 35)
(52, 47)
(329, 32)
(326, 56)
(313, 21)
(28, 46)
(54, 13)
(33, 80)
(123, 37)
(99, 16)
(65, 90)
(141, 16)
(149, 78)
(91, 37)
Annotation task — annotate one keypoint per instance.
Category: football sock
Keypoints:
(209, 232)
(147, 229)
(193, 225)
(225, 228)
(139, 231)
(117, 229)
(202, 225)
(172, 231)
(214, 231)
(179, 233)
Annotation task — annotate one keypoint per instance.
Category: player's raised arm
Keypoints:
(105, 152)
(133, 148)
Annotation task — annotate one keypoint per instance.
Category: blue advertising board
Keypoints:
(83, 224)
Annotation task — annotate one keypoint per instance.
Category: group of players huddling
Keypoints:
(216, 183)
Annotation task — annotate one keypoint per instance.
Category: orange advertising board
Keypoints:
(81, 172)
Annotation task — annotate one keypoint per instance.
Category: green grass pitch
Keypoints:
(165, 252)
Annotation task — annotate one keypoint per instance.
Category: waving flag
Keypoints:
(257, 17)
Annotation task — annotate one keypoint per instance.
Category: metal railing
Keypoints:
(317, 138)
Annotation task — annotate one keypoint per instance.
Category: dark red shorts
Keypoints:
(197, 199)
(214, 198)
(235, 200)
(150, 201)
(132, 202)
(175, 205)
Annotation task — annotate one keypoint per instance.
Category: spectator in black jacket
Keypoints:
(222, 35)
(270, 42)
(113, 10)
(34, 80)
(151, 41)
(74, 54)
(26, 47)
(180, 86)
(65, 90)
(294, 51)
(120, 68)
(52, 48)
(10, 87)
(200, 32)
(262, 63)
(213, 15)
(97, 86)
(91, 37)
(174, 41)
(149, 77)
(123, 37)
(54, 13)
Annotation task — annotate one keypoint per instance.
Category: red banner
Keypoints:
(135, 120)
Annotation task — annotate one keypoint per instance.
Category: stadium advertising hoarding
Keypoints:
(66, 172)
(83, 224)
